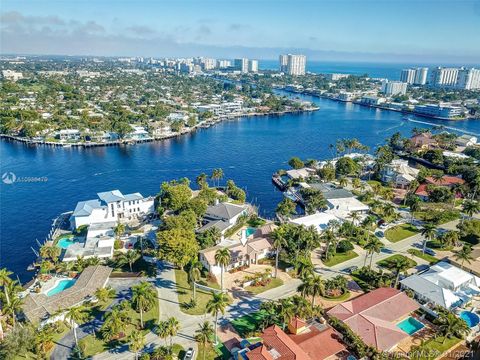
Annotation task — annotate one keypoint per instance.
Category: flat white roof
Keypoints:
(347, 204)
(318, 220)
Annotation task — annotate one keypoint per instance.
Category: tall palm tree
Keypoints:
(305, 287)
(216, 304)
(136, 342)
(119, 230)
(43, 341)
(429, 232)
(355, 217)
(317, 286)
(173, 327)
(194, 275)
(104, 294)
(414, 206)
(343, 181)
(464, 254)
(4, 280)
(374, 245)
(204, 334)
(143, 298)
(75, 315)
(115, 322)
(222, 258)
(399, 265)
(129, 258)
(279, 242)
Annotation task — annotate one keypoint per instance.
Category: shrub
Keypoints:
(344, 246)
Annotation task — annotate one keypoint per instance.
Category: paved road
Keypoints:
(390, 249)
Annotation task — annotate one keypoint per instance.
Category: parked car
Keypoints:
(190, 354)
(350, 269)
(379, 234)
(430, 252)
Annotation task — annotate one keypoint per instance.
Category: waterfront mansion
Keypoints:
(111, 206)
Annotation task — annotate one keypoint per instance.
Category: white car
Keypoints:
(189, 355)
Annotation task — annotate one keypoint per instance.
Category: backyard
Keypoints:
(400, 232)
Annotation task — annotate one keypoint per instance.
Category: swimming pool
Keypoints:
(250, 231)
(60, 286)
(410, 325)
(65, 242)
(470, 318)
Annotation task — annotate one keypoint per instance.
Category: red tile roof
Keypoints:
(319, 344)
(373, 316)
(278, 345)
(297, 323)
(446, 181)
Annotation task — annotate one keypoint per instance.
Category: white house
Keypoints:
(111, 206)
(319, 220)
(399, 172)
(466, 140)
(444, 285)
(138, 133)
(69, 134)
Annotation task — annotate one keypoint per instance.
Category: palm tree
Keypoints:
(471, 207)
(450, 325)
(76, 314)
(399, 265)
(119, 230)
(4, 280)
(305, 287)
(216, 304)
(204, 334)
(317, 287)
(414, 207)
(222, 258)
(343, 181)
(143, 298)
(43, 341)
(437, 177)
(374, 245)
(173, 326)
(429, 232)
(104, 294)
(464, 254)
(115, 322)
(279, 242)
(355, 216)
(194, 275)
(286, 310)
(163, 330)
(128, 257)
(201, 180)
(136, 342)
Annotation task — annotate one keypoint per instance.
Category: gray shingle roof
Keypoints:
(224, 211)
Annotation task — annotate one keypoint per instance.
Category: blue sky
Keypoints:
(435, 30)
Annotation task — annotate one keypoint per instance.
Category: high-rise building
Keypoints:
(283, 60)
(208, 63)
(241, 65)
(444, 77)
(394, 87)
(296, 64)
(421, 76)
(223, 64)
(408, 76)
(253, 66)
(468, 79)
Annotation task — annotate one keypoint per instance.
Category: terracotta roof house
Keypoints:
(446, 181)
(314, 342)
(254, 249)
(423, 141)
(374, 316)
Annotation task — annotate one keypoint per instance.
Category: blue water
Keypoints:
(249, 150)
(410, 325)
(250, 231)
(62, 285)
(470, 318)
(376, 70)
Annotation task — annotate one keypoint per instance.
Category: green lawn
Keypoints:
(185, 294)
(210, 353)
(340, 257)
(387, 263)
(248, 323)
(436, 347)
(400, 232)
(259, 289)
(342, 297)
(418, 253)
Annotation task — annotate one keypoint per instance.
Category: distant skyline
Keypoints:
(441, 31)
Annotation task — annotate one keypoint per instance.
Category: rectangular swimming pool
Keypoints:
(410, 325)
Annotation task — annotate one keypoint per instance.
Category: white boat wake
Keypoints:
(446, 127)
